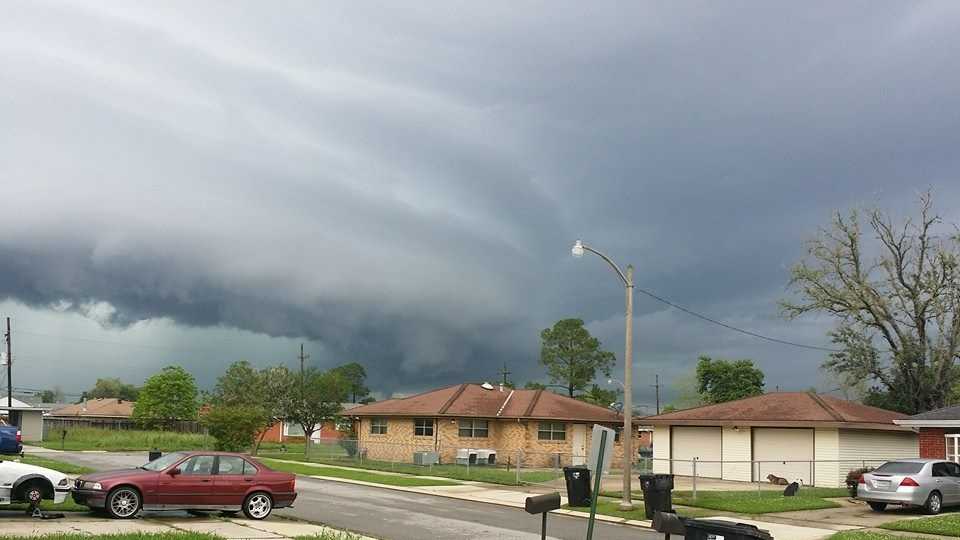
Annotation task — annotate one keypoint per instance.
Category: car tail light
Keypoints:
(909, 482)
(862, 480)
(19, 436)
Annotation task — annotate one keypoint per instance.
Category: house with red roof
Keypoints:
(802, 436)
(470, 421)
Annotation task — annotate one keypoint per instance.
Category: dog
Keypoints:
(777, 480)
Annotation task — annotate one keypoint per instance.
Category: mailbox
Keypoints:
(542, 503)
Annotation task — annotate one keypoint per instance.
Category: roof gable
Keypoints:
(106, 407)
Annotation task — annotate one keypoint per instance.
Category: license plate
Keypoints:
(882, 483)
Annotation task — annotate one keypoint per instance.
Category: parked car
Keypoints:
(930, 484)
(191, 481)
(10, 439)
(22, 483)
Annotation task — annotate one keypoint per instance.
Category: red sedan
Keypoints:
(189, 481)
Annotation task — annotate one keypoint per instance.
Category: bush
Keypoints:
(853, 478)
(234, 428)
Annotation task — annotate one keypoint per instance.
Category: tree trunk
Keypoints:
(263, 433)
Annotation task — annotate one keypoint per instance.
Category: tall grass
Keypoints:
(120, 440)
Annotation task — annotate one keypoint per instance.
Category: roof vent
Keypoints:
(486, 386)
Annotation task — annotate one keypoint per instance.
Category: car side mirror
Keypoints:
(175, 471)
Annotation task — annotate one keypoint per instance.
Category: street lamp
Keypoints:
(579, 248)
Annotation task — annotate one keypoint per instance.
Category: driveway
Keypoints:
(396, 515)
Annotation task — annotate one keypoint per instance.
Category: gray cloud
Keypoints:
(400, 185)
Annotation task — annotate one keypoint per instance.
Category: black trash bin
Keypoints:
(578, 485)
(657, 493)
(707, 529)
(154, 455)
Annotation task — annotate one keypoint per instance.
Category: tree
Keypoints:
(685, 388)
(113, 388)
(895, 301)
(600, 396)
(719, 381)
(312, 397)
(166, 396)
(52, 396)
(533, 385)
(354, 376)
(572, 356)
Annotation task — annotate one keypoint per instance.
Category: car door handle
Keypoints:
(205, 480)
(248, 479)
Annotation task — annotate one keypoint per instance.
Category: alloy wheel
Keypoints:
(124, 503)
(258, 506)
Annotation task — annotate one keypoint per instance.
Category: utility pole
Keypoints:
(504, 372)
(302, 357)
(9, 366)
(657, 386)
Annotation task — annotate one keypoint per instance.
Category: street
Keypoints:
(396, 515)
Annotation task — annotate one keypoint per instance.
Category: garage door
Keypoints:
(701, 443)
(786, 453)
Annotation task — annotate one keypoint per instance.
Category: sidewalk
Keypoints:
(515, 496)
(16, 524)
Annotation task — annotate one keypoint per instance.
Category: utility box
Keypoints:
(426, 458)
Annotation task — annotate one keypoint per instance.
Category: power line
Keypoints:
(734, 328)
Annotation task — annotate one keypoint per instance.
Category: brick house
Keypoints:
(549, 429)
(284, 431)
(939, 432)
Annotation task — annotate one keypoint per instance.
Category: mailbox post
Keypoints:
(541, 504)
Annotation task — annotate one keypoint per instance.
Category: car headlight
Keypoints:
(93, 485)
(64, 482)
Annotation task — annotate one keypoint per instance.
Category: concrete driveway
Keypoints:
(850, 514)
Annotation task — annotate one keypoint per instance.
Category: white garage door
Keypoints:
(701, 443)
(786, 453)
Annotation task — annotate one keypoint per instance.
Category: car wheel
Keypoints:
(123, 503)
(934, 504)
(258, 505)
(878, 506)
(32, 493)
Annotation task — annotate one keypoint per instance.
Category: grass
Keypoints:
(945, 525)
(752, 502)
(363, 476)
(868, 535)
(125, 536)
(67, 506)
(127, 440)
(491, 475)
(328, 535)
(62, 466)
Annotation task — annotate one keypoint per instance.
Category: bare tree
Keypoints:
(897, 311)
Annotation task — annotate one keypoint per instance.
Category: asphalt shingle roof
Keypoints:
(946, 413)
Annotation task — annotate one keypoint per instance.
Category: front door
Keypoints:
(579, 444)
(234, 477)
(192, 488)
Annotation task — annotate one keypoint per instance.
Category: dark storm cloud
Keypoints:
(402, 184)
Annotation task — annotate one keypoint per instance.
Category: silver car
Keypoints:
(930, 484)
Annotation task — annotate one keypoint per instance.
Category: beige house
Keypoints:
(454, 422)
(792, 435)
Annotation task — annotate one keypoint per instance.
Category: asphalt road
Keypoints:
(398, 515)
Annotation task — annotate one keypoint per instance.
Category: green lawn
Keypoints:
(125, 440)
(363, 476)
(868, 535)
(492, 475)
(340, 535)
(945, 525)
(611, 507)
(62, 466)
(752, 502)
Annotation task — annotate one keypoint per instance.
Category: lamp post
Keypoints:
(579, 248)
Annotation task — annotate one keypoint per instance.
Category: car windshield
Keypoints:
(900, 467)
(163, 462)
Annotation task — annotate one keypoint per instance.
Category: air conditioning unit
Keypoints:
(426, 458)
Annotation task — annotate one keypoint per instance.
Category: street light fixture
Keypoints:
(578, 249)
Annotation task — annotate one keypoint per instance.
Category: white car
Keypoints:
(22, 483)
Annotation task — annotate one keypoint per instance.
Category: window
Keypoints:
(473, 428)
(249, 469)
(953, 469)
(953, 447)
(900, 467)
(552, 431)
(940, 469)
(198, 465)
(230, 465)
(378, 426)
(423, 427)
(292, 430)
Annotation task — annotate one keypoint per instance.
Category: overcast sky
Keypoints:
(399, 184)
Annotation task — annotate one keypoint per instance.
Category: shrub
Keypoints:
(234, 428)
(853, 478)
